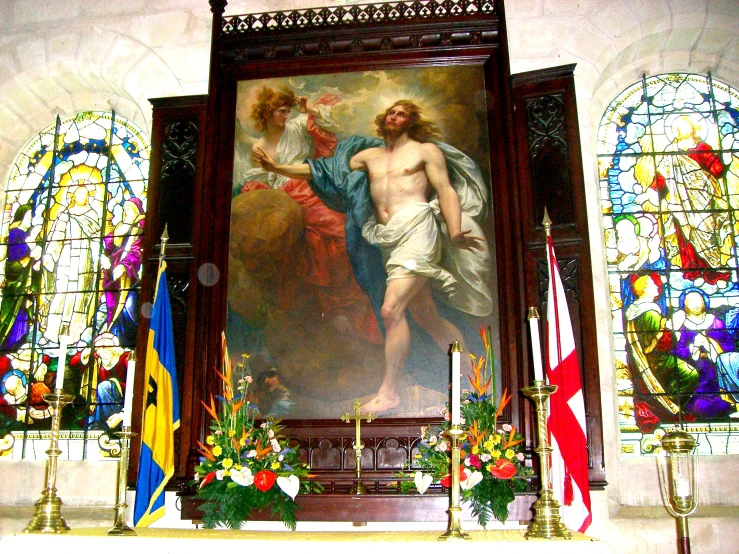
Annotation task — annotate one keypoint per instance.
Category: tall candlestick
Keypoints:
(128, 400)
(456, 376)
(62, 362)
(535, 344)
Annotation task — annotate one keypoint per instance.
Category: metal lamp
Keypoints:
(678, 480)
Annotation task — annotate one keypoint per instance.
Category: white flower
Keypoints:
(433, 439)
(251, 454)
(473, 478)
(197, 477)
(220, 473)
(507, 427)
(442, 446)
(275, 445)
(271, 434)
(242, 477)
(485, 457)
(520, 456)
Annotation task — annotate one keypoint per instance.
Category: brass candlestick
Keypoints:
(358, 487)
(454, 531)
(547, 523)
(48, 517)
(120, 527)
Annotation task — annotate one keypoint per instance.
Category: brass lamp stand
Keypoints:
(454, 530)
(120, 528)
(547, 523)
(678, 481)
(48, 517)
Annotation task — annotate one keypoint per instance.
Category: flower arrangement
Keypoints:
(492, 465)
(244, 466)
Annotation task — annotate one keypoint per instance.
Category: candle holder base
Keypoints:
(454, 532)
(547, 523)
(48, 517)
(359, 488)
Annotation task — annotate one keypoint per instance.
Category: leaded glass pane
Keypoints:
(669, 180)
(70, 264)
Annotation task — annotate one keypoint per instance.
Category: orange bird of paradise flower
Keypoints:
(476, 380)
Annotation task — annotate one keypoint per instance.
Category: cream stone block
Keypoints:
(6, 16)
(587, 41)
(164, 29)
(534, 40)
(653, 16)
(31, 53)
(524, 8)
(121, 66)
(714, 42)
(27, 12)
(62, 46)
(682, 40)
(650, 45)
(571, 7)
(93, 8)
(189, 63)
(95, 47)
(8, 66)
(151, 78)
(722, 14)
(616, 23)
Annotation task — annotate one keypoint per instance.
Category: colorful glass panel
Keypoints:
(669, 182)
(70, 265)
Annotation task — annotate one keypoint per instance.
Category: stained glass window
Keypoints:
(70, 264)
(669, 185)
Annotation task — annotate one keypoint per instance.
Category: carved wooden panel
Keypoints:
(550, 173)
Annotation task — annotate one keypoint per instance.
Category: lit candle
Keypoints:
(535, 344)
(62, 362)
(456, 376)
(128, 401)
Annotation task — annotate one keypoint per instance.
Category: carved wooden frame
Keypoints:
(400, 34)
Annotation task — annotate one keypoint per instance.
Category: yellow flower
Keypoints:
(210, 440)
(217, 450)
(497, 438)
(475, 449)
(237, 467)
(495, 453)
(231, 432)
(227, 462)
(275, 465)
(510, 454)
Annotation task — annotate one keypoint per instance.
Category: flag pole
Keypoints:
(547, 522)
(161, 415)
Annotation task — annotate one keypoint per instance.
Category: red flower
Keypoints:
(503, 469)
(264, 479)
(207, 479)
(474, 461)
(446, 481)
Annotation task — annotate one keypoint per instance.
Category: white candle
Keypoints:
(128, 401)
(456, 376)
(62, 362)
(535, 344)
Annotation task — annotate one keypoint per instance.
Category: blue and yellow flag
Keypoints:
(161, 411)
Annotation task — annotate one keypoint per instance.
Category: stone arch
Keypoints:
(63, 73)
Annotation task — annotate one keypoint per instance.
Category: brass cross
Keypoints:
(357, 417)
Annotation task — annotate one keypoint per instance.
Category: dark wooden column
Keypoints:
(550, 172)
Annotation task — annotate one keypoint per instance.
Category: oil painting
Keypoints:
(361, 239)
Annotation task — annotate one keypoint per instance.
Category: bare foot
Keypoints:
(381, 404)
(342, 324)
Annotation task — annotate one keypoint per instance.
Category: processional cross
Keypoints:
(359, 487)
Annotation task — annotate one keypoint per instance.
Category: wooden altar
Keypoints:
(188, 541)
